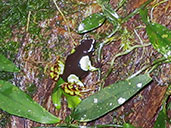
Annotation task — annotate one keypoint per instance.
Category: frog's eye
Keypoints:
(56, 70)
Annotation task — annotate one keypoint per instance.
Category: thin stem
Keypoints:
(121, 54)
(154, 66)
(28, 21)
(109, 125)
(141, 42)
(138, 72)
(64, 20)
(108, 39)
(99, 52)
(159, 62)
(136, 11)
(151, 12)
(121, 2)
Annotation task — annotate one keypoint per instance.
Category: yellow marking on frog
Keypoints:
(68, 91)
(52, 75)
(52, 69)
(71, 89)
(70, 86)
(72, 51)
(56, 70)
(78, 93)
(56, 78)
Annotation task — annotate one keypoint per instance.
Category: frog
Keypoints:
(79, 62)
(77, 66)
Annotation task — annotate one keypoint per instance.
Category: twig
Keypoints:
(121, 54)
(154, 66)
(107, 40)
(120, 4)
(157, 4)
(136, 11)
(141, 42)
(28, 21)
(64, 20)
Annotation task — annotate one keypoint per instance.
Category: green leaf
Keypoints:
(109, 98)
(169, 106)
(91, 22)
(7, 65)
(16, 102)
(127, 125)
(161, 120)
(57, 94)
(56, 97)
(160, 37)
(72, 101)
(144, 15)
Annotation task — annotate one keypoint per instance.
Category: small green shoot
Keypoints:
(72, 101)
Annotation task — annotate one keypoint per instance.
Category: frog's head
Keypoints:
(87, 46)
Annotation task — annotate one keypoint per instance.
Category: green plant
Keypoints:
(16, 102)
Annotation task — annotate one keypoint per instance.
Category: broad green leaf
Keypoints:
(127, 125)
(161, 120)
(7, 65)
(109, 98)
(72, 101)
(16, 102)
(160, 37)
(91, 22)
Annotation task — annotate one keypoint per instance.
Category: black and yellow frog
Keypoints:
(76, 67)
